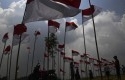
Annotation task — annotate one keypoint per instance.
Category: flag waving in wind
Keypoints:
(37, 10)
(72, 3)
(75, 53)
(93, 10)
(53, 26)
(5, 37)
(7, 50)
(70, 26)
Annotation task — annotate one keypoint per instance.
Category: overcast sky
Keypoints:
(110, 27)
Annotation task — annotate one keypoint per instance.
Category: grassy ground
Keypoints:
(104, 78)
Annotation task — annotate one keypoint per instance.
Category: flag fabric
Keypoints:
(62, 54)
(87, 13)
(72, 3)
(91, 60)
(37, 33)
(70, 26)
(61, 46)
(24, 39)
(37, 10)
(76, 64)
(5, 38)
(53, 26)
(81, 61)
(68, 59)
(84, 56)
(75, 53)
(19, 29)
(7, 50)
(86, 62)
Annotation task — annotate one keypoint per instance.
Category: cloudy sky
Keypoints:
(110, 28)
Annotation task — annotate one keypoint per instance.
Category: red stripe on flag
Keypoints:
(72, 3)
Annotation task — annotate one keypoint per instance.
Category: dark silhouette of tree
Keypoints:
(51, 43)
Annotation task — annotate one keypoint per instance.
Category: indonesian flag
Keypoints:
(24, 39)
(81, 61)
(70, 26)
(19, 29)
(87, 13)
(7, 50)
(86, 62)
(76, 64)
(91, 60)
(61, 46)
(37, 33)
(5, 38)
(37, 10)
(72, 3)
(53, 26)
(75, 53)
(102, 59)
(68, 59)
(84, 56)
(62, 54)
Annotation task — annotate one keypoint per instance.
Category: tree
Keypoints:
(51, 43)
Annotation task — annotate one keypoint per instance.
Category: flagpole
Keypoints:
(7, 66)
(64, 55)
(81, 69)
(17, 53)
(84, 46)
(44, 58)
(48, 50)
(10, 59)
(2, 55)
(33, 53)
(58, 64)
(17, 60)
(27, 63)
(96, 44)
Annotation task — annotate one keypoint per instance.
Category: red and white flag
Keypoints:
(70, 26)
(37, 10)
(87, 13)
(61, 46)
(84, 56)
(53, 26)
(7, 50)
(81, 61)
(62, 54)
(5, 38)
(91, 60)
(86, 62)
(75, 53)
(76, 64)
(19, 29)
(72, 3)
(68, 59)
(37, 33)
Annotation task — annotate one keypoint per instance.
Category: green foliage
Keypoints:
(51, 43)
